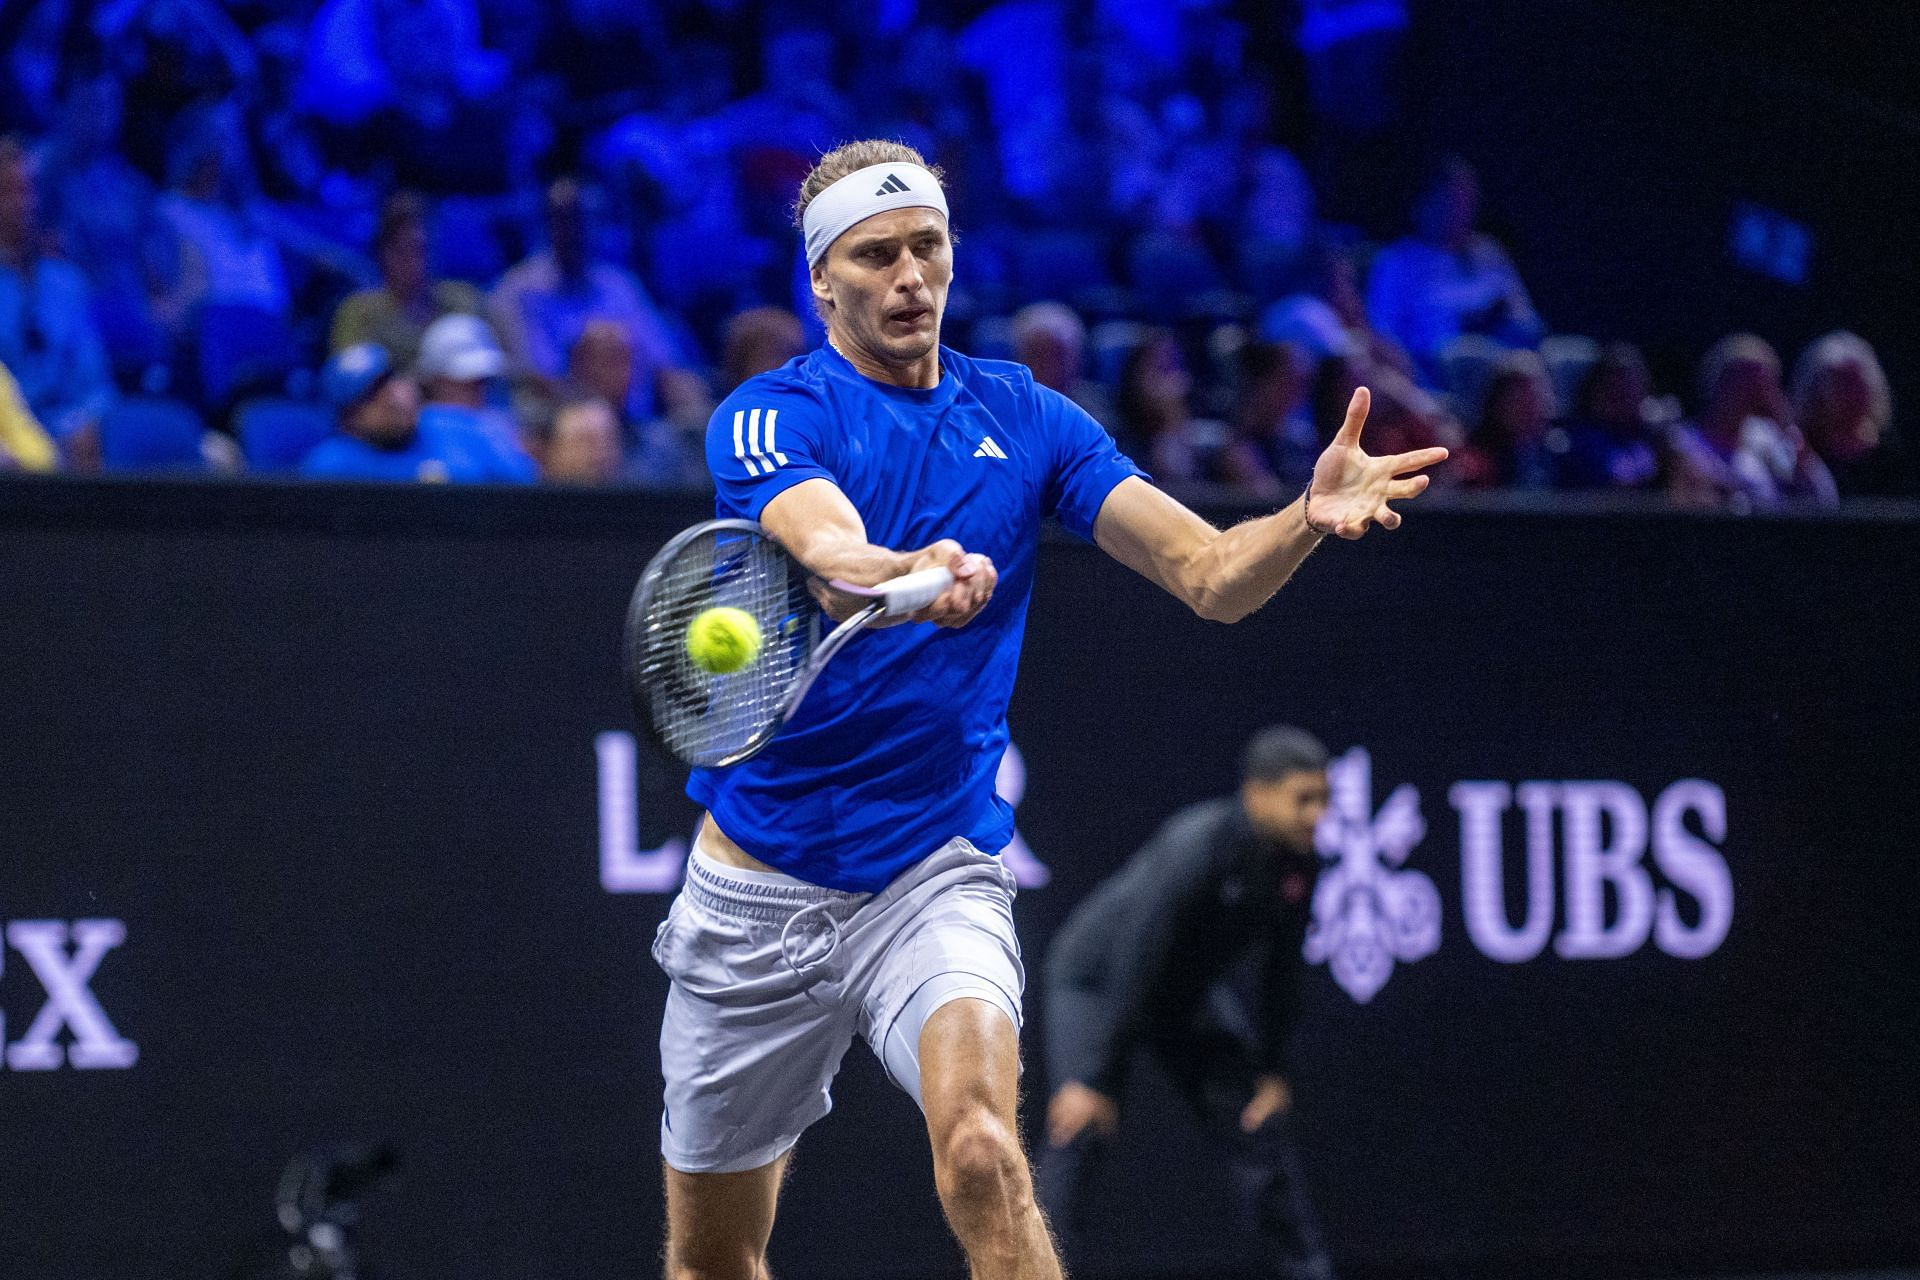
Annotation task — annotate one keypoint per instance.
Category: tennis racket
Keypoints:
(707, 719)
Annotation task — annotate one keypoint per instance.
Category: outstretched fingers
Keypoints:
(1349, 433)
(1405, 462)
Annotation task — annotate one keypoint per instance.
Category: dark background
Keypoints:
(329, 754)
(1615, 139)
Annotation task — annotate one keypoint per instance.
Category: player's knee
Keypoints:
(745, 1265)
(983, 1171)
(715, 1262)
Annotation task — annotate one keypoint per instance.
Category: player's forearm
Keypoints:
(819, 527)
(854, 561)
(1240, 569)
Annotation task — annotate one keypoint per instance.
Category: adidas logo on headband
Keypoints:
(841, 205)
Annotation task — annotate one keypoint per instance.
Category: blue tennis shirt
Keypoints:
(894, 750)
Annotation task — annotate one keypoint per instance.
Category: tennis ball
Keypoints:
(724, 640)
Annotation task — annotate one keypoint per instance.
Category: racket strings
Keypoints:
(703, 717)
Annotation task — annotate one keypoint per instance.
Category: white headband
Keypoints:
(878, 188)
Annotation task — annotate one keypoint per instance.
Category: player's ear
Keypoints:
(817, 281)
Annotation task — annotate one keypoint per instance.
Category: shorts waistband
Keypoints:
(713, 888)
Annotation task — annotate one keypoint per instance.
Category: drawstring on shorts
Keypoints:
(794, 944)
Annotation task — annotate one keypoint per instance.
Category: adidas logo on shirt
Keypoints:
(892, 186)
(988, 449)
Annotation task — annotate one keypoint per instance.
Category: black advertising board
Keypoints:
(324, 819)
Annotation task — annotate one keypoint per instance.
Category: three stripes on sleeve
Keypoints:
(759, 456)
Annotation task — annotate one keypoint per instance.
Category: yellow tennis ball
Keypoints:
(723, 640)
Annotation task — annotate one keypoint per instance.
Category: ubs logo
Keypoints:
(64, 958)
(1368, 914)
(1585, 856)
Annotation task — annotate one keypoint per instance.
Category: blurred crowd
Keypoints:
(509, 241)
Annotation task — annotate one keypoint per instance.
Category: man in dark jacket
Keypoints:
(1217, 900)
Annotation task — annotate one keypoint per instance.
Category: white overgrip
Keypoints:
(912, 592)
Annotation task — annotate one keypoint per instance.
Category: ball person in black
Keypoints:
(1192, 953)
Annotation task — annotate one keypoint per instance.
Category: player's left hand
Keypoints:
(1271, 1097)
(974, 578)
(1350, 489)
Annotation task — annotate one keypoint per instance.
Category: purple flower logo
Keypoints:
(1367, 913)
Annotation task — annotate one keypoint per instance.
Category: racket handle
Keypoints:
(912, 592)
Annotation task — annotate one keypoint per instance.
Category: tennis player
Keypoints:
(846, 880)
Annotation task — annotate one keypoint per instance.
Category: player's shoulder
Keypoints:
(797, 388)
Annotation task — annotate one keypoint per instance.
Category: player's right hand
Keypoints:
(1075, 1106)
(974, 579)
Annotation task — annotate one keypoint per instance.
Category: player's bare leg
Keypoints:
(970, 1088)
(718, 1223)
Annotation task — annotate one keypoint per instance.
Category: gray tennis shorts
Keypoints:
(773, 976)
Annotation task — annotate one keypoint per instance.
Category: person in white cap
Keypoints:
(459, 360)
(847, 880)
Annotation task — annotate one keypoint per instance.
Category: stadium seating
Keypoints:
(241, 349)
(152, 433)
(276, 433)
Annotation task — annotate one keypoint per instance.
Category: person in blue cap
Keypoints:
(381, 435)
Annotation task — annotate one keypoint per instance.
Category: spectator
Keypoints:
(1157, 427)
(662, 453)
(1279, 203)
(1842, 403)
(102, 208)
(799, 109)
(1352, 51)
(381, 435)
(1610, 441)
(579, 443)
(1273, 445)
(24, 443)
(419, 59)
(1026, 95)
(47, 337)
(169, 56)
(1744, 452)
(1326, 315)
(1447, 279)
(1508, 447)
(459, 363)
(1049, 338)
(396, 314)
(543, 305)
(212, 247)
(415, 72)
(759, 339)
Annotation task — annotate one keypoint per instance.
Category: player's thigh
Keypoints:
(956, 942)
(970, 1071)
(744, 1081)
(718, 1223)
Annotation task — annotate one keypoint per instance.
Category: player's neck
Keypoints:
(922, 374)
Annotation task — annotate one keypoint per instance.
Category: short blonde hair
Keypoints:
(849, 157)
